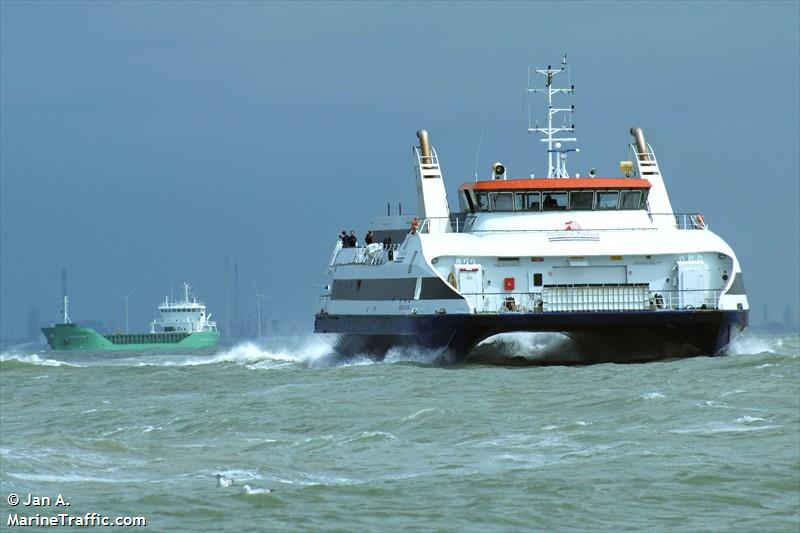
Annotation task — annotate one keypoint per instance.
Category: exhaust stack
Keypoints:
(430, 187)
(424, 146)
(641, 146)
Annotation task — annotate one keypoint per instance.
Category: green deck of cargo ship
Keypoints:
(71, 336)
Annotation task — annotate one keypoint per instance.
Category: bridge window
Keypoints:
(554, 201)
(527, 201)
(483, 201)
(501, 201)
(581, 200)
(532, 201)
(630, 200)
(606, 200)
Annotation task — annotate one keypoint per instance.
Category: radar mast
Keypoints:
(554, 146)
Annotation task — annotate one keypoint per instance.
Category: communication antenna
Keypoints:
(554, 146)
(127, 298)
(65, 301)
(478, 152)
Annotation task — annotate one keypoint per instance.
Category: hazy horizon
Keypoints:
(141, 144)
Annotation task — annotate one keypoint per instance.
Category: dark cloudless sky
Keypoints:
(141, 143)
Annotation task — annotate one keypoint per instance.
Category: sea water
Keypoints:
(707, 443)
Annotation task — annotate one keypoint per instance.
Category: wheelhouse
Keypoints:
(554, 194)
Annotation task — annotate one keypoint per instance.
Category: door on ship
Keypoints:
(470, 284)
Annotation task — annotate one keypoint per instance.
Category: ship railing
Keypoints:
(646, 162)
(463, 223)
(593, 298)
(683, 220)
(427, 163)
(370, 255)
(322, 304)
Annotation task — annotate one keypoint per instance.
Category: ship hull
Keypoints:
(617, 336)
(70, 337)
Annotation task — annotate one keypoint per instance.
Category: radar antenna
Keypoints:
(559, 169)
(65, 298)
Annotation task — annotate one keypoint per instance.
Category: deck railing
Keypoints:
(464, 222)
(593, 298)
(363, 255)
(585, 298)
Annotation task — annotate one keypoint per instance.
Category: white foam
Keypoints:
(68, 478)
(527, 344)
(308, 351)
(756, 343)
(413, 355)
(370, 435)
(652, 396)
(718, 427)
(234, 474)
(747, 419)
(34, 359)
(426, 412)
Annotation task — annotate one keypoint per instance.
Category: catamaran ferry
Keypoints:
(182, 323)
(600, 259)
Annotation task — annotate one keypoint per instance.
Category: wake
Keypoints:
(559, 349)
(319, 351)
(310, 351)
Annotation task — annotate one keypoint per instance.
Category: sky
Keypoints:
(142, 143)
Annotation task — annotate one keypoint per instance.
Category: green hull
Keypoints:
(63, 337)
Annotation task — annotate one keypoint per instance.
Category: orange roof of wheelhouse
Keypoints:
(556, 184)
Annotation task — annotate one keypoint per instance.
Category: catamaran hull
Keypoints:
(628, 335)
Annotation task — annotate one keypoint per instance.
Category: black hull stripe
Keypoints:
(391, 289)
(707, 332)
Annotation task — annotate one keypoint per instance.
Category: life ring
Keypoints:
(451, 279)
(414, 226)
(699, 221)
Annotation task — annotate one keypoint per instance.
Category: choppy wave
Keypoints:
(68, 478)
(34, 359)
(318, 351)
(759, 343)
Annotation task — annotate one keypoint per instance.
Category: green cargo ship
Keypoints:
(181, 324)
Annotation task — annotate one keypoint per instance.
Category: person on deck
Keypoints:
(352, 242)
(368, 237)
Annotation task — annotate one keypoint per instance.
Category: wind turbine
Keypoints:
(259, 297)
(127, 299)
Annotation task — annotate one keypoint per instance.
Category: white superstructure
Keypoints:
(186, 315)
